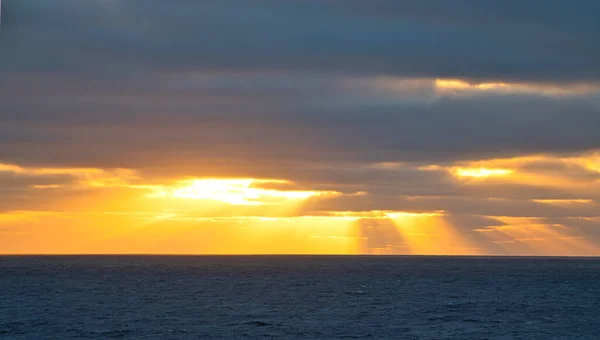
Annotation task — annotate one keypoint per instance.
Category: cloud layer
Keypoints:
(379, 102)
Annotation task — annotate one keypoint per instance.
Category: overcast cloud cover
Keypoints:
(343, 95)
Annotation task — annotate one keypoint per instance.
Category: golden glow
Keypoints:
(431, 234)
(563, 173)
(232, 191)
(388, 165)
(565, 201)
(426, 90)
(118, 211)
(457, 86)
(380, 214)
(116, 233)
(432, 167)
(586, 162)
(590, 162)
(534, 236)
(401, 232)
(481, 172)
(408, 215)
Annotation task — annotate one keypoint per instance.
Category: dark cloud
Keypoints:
(223, 81)
(327, 124)
(13, 182)
(512, 40)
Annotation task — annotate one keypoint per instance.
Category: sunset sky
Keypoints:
(300, 127)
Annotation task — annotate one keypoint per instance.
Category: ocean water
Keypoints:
(298, 297)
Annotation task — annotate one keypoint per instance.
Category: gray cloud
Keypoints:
(295, 117)
(512, 40)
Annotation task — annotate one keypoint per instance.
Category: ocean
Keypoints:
(298, 297)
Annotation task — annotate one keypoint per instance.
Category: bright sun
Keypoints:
(481, 172)
(241, 191)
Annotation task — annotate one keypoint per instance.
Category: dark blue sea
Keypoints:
(298, 297)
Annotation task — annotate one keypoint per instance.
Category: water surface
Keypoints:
(298, 297)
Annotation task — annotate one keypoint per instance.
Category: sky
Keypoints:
(463, 127)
